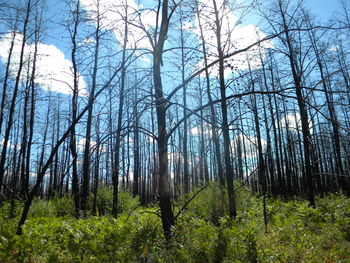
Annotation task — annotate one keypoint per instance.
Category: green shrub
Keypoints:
(104, 201)
(250, 241)
(126, 201)
(210, 204)
(64, 206)
(296, 232)
(146, 235)
(57, 207)
(8, 207)
(42, 208)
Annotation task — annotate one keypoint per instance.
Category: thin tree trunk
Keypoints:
(167, 215)
(116, 165)
(224, 123)
(86, 158)
(14, 96)
(303, 111)
(214, 134)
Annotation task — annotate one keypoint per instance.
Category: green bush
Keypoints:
(210, 204)
(42, 208)
(9, 207)
(296, 232)
(104, 201)
(57, 207)
(64, 206)
(126, 201)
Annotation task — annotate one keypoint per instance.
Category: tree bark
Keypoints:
(162, 140)
(224, 123)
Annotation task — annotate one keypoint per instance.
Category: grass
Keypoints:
(295, 233)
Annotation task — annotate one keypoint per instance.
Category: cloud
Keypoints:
(9, 144)
(250, 143)
(174, 156)
(128, 140)
(293, 121)
(93, 145)
(151, 139)
(53, 70)
(334, 48)
(233, 37)
(112, 18)
(81, 144)
(196, 131)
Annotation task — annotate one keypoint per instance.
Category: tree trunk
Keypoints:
(224, 122)
(167, 215)
(14, 96)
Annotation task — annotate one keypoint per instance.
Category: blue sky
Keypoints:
(323, 8)
(56, 34)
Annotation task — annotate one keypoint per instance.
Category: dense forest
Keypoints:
(174, 131)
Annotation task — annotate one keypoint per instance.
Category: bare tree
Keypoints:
(28, 10)
(224, 121)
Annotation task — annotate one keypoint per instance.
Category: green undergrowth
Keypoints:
(203, 232)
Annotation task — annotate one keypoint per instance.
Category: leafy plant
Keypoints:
(296, 232)
(104, 201)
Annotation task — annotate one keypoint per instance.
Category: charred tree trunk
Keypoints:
(302, 108)
(224, 123)
(14, 96)
(167, 215)
(86, 158)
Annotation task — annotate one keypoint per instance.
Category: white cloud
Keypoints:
(81, 144)
(333, 48)
(174, 156)
(233, 37)
(112, 18)
(293, 121)
(187, 26)
(128, 140)
(9, 144)
(151, 139)
(196, 131)
(53, 70)
(250, 143)
(93, 145)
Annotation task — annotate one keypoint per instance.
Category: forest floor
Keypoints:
(295, 231)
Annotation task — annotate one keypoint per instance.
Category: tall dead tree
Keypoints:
(297, 78)
(117, 148)
(213, 116)
(87, 146)
(224, 115)
(167, 215)
(76, 18)
(28, 10)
